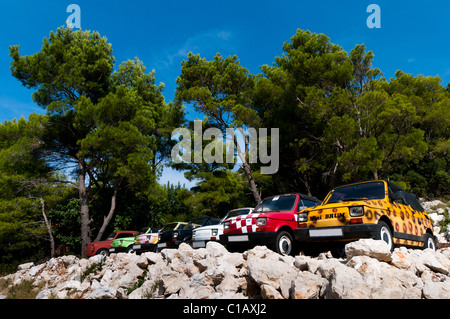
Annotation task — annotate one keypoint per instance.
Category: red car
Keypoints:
(102, 247)
(271, 223)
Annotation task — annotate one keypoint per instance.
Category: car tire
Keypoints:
(130, 250)
(429, 242)
(338, 250)
(384, 234)
(283, 244)
(104, 252)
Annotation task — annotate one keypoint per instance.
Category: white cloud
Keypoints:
(208, 42)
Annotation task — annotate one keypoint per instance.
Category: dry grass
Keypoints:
(24, 290)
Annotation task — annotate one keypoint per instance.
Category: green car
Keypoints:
(122, 245)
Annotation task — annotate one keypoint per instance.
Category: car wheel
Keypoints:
(429, 242)
(103, 252)
(130, 250)
(384, 234)
(283, 243)
(338, 250)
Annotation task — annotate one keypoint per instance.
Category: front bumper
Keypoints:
(256, 238)
(141, 248)
(199, 243)
(347, 232)
(168, 244)
(115, 250)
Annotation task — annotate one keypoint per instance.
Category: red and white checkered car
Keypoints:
(271, 223)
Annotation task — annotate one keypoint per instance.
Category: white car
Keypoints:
(201, 235)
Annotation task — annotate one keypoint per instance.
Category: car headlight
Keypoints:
(261, 221)
(226, 225)
(175, 234)
(356, 211)
(214, 232)
(303, 217)
(193, 234)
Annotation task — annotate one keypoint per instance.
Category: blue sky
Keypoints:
(414, 35)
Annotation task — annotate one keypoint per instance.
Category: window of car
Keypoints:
(370, 190)
(198, 222)
(305, 203)
(277, 203)
(169, 226)
(413, 202)
(123, 235)
(234, 213)
(111, 236)
(142, 231)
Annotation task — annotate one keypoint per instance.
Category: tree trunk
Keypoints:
(247, 169)
(308, 188)
(251, 180)
(107, 219)
(84, 207)
(49, 229)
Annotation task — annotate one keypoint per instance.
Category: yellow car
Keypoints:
(372, 209)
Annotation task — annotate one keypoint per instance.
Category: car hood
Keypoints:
(102, 242)
(218, 226)
(376, 203)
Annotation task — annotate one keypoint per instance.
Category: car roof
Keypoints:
(232, 210)
(203, 217)
(408, 198)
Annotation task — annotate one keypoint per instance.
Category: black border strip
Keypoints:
(409, 237)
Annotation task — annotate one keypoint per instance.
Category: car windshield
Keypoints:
(196, 222)
(142, 231)
(371, 190)
(277, 203)
(235, 213)
(111, 236)
(170, 226)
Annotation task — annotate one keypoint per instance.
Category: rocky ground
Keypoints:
(439, 213)
(368, 271)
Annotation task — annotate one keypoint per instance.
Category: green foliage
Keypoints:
(111, 130)
(218, 88)
(69, 65)
(445, 222)
(22, 173)
(216, 193)
(222, 90)
(65, 219)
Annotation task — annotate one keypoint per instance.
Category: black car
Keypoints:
(173, 238)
